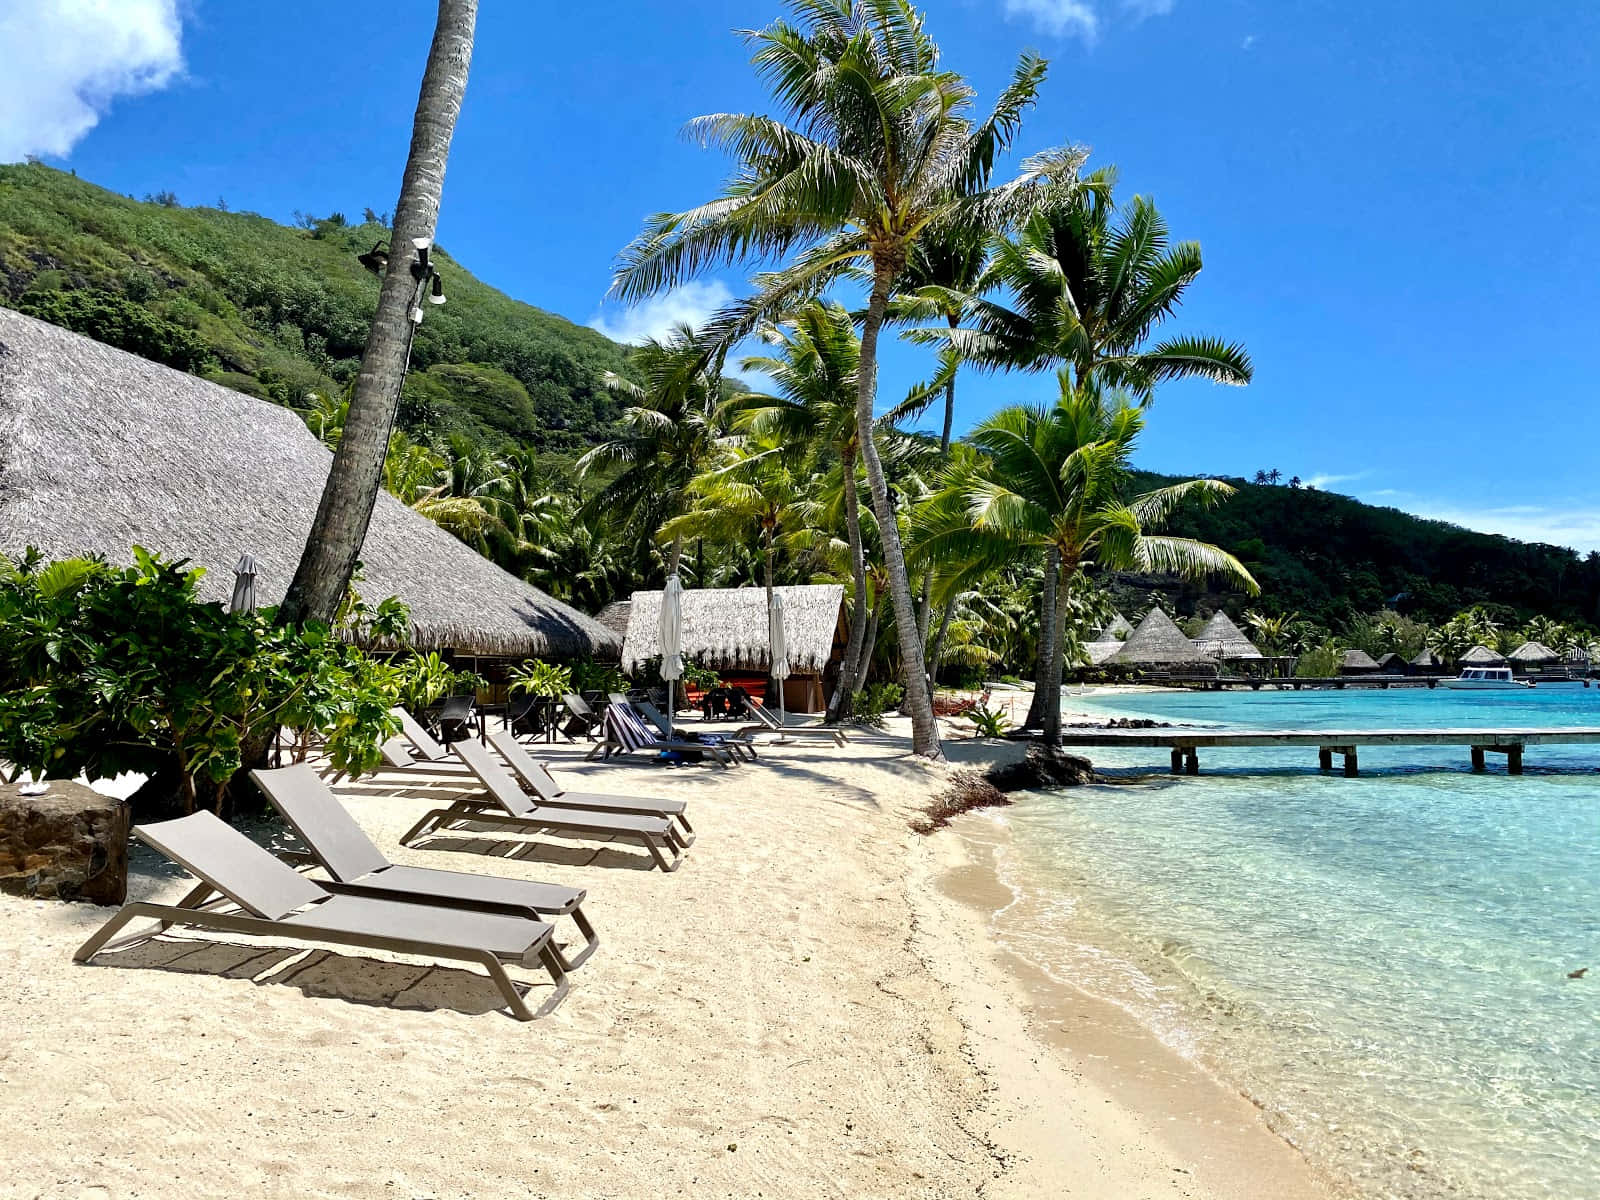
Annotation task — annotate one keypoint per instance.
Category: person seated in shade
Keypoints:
(714, 705)
(738, 703)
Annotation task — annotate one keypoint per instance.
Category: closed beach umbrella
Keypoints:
(244, 586)
(671, 636)
(778, 649)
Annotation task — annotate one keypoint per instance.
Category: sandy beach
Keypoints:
(810, 1007)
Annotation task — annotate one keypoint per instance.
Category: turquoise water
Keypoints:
(1381, 962)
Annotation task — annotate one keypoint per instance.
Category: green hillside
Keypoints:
(281, 311)
(1330, 557)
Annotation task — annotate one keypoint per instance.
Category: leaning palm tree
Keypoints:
(348, 497)
(813, 368)
(668, 434)
(879, 147)
(1053, 481)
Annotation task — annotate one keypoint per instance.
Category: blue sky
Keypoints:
(1399, 202)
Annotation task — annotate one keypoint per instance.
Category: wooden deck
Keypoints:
(1185, 744)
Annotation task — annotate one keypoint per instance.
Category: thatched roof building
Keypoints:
(1116, 630)
(1157, 642)
(1101, 652)
(1221, 639)
(1482, 656)
(1533, 654)
(614, 617)
(1357, 662)
(1427, 661)
(726, 628)
(1392, 663)
(101, 450)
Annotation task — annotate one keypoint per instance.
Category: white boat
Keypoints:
(1484, 679)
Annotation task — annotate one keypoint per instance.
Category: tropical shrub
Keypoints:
(108, 669)
(423, 679)
(538, 678)
(591, 676)
(868, 706)
(987, 722)
(1320, 662)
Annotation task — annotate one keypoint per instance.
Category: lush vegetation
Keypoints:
(106, 670)
(282, 311)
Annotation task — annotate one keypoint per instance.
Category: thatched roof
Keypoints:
(726, 628)
(614, 617)
(1222, 639)
(1482, 656)
(1101, 652)
(101, 450)
(1156, 641)
(1533, 652)
(1357, 660)
(1116, 629)
(1427, 659)
(1391, 661)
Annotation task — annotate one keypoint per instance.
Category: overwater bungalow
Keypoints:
(1358, 662)
(101, 450)
(1158, 643)
(1482, 656)
(1393, 664)
(1531, 655)
(1427, 663)
(726, 630)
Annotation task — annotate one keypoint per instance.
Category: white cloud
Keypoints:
(1249, 40)
(1561, 524)
(1322, 481)
(67, 60)
(690, 304)
(1057, 16)
(1082, 17)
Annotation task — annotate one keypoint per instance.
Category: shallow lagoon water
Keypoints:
(1381, 962)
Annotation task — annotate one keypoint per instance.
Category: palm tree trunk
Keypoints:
(864, 663)
(773, 683)
(849, 666)
(674, 556)
(924, 730)
(1052, 713)
(937, 653)
(1047, 626)
(357, 473)
(925, 608)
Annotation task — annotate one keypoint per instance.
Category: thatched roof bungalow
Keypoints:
(1116, 630)
(1482, 656)
(1392, 663)
(101, 450)
(1101, 652)
(1533, 654)
(1427, 660)
(1357, 662)
(1224, 641)
(614, 617)
(1157, 642)
(726, 629)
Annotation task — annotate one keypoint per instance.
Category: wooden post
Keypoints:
(1477, 760)
(1513, 760)
(1191, 761)
(1350, 762)
(1177, 761)
(1325, 758)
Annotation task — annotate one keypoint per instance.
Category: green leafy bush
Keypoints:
(987, 722)
(118, 321)
(591, 676)
(423, 679)
(538, 678)
(107, 669)
(1320, 662)
(868, 706)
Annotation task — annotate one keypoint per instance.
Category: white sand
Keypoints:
(801, 1011)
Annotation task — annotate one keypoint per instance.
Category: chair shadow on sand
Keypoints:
(553, 848)
(323, 974)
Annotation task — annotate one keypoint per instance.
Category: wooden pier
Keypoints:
(1185, 744)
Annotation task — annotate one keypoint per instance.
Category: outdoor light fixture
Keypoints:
(375, 260)
(437, 295)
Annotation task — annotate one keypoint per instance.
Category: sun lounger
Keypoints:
(767, 723)
(740, 746)
(626, 734)
(359, 868)
(535, 777)
(584, 719)
(269, 898)
(504, 805)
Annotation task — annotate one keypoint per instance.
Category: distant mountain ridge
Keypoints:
(280, 311)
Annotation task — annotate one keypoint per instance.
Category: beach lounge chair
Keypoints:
(504, 805)
(768, 723)
(359, 868)
(584, 719)
(740, 746)
(535, 778)
(262, 896)
(626, 734)
(456, 717)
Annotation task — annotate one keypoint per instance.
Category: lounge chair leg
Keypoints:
(558, 976)
(591, 942)
(508, 989)
(102, 938)
(661, 860)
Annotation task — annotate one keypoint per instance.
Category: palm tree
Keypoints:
(340, 526)
(1053, 481)
(1087, 285)
(669, 434)
(813, 370)
(1273, 633)
(879, 148)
